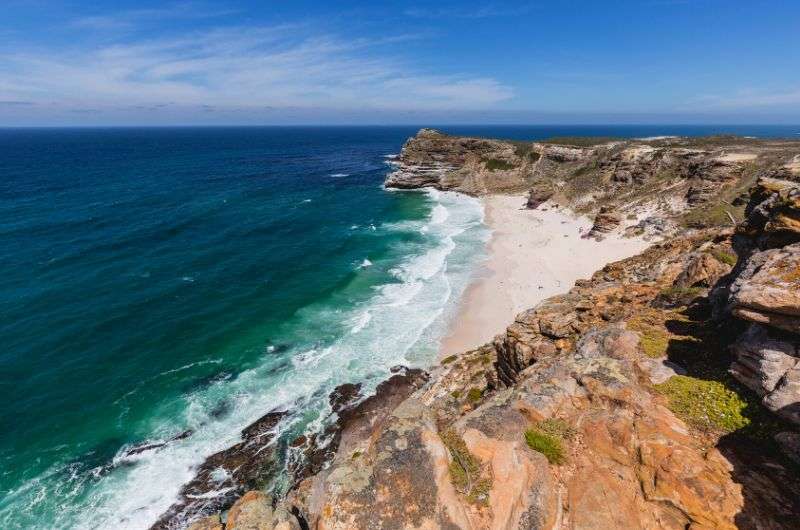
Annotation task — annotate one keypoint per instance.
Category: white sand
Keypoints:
(533, 255)
(794, 164)
(737, 157)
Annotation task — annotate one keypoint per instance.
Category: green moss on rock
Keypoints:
(708, 405)
(550, 446)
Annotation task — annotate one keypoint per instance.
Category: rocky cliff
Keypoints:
(667, 183)
(662, 392)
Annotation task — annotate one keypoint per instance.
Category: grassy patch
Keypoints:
(724, 257)
(525, 150)
(493, 164)
(466, 473)
(654, 336)
(550, 446)
(654, 343)
(686, 294)
(449, 359)
(474, 395)
(556, 427)
(712, 215)
(708, 405)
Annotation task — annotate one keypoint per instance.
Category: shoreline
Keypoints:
(532, 255)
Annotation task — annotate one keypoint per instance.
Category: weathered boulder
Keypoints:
(353, 419)
(767, 288)
(540, 193)
(772, 215)
(226, 475)
(606, 220)
(254, 511)
(393, 478)
(702, 270)
(762, 360)
(212, 522)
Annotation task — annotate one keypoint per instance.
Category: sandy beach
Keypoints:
(532, 255)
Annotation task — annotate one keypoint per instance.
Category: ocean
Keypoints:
(159, 280)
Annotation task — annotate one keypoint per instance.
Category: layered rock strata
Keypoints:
(765, 291)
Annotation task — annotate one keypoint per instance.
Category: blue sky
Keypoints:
(302, 61)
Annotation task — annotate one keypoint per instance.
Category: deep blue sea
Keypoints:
(154, 280)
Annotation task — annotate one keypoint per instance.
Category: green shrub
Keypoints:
(724, 257)
(449, 359)
(494, 164)
(474, 395)
(456, 394)
(708, 405)
(465, 470)
(681, 293)
(549, 445)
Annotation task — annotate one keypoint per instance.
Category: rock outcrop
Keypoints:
(765, 291)
(227, 475)
(539, 193)
(606, 220)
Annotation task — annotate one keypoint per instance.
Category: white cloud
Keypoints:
(751, 98)
(238, 67)
(482, 11)
(136, 17)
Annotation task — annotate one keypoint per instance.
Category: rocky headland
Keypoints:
(661, 392)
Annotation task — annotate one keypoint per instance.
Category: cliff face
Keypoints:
(676, 182)
(663, 392)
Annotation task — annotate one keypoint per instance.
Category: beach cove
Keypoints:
(532, 255)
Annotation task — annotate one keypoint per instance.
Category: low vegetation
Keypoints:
(681, 294)
(580, 141)
(557, 427)
(525, 150)
(724, 257)
(474, 395)
(494, 164)
(713, 215)
(654, 336)
(547, 444)
(466, 473)
(707, 405)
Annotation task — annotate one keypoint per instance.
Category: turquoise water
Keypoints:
(159, 280)
(154, 281)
